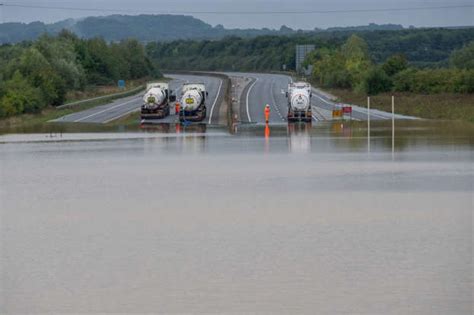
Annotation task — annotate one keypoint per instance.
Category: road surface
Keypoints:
(270, 89)
(119, 108)
(262, 89)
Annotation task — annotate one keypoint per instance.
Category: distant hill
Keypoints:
(148, 28)
(370, 27)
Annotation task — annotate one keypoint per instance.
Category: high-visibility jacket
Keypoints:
(267, 113)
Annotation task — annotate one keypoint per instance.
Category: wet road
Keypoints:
(262, 89)
(270, 89)
(214, 99)
(119, 108)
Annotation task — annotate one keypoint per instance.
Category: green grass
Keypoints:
(444, 106)
(98, 91)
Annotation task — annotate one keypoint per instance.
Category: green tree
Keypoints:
(40, 73)
(464, 57)
(404, 80)
(356, 54)
(62, 57)
(20, 97)
(395, 64)
(376, 81)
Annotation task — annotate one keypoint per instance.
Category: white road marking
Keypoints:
(371, 112)
(274, 101)
(105, 110)
(322, 99)
(248, 93)
(314, 108)
(215, 101)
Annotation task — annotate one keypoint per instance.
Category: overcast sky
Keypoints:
(432, 17)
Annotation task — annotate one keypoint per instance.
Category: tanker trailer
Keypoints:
(299, 102)
(193, 102)
(156, 101)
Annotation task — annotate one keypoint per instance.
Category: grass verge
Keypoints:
(51, 113)
(445, 106)
(98, 91)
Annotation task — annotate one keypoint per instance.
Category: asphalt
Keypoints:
(270, 89)
(262, 89)
(119, 108)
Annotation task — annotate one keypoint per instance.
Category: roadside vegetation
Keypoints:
(36, 76)
(51, 113)
(449, 106)
(434, 93)
(422, 48)
(351, 67)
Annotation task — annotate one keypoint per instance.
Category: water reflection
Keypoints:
(193, 139)
(296, 137)
(343, 129)
(162, 128)
(267, 138)
(299, 137)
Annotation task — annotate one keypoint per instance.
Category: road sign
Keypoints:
(337, 113)
(121, 84)
(347, 109)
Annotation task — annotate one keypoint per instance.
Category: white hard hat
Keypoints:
(267, 105)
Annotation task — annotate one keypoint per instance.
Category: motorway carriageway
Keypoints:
(262, 89)
(270, 89)
(109, 112)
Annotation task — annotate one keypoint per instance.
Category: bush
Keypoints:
(376, 81)
(395, 64)
(429, 81)
(20, 97)
(463, 58)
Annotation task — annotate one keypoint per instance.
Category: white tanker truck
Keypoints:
(156, 101)
(299, 101)
(193, 102)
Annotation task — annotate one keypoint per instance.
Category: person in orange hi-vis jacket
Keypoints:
(176, 108)
(267, 113)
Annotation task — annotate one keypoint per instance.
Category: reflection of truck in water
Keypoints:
(299, 101)
(193, 102)
(299, 137)
(156, 101)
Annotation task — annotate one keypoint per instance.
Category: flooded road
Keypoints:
(286, 219)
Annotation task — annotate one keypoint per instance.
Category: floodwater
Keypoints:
(286, 219)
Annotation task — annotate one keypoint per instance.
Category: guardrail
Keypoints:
(104, 97)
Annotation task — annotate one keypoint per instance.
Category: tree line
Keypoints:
(414, 60)
(423, 48)
(351, 66)
(34, 75)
